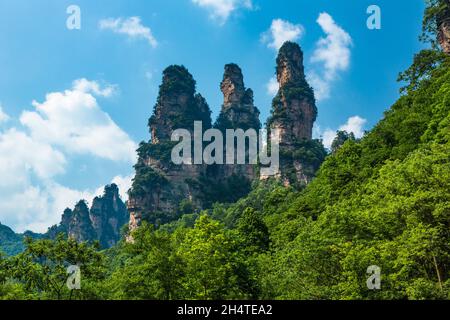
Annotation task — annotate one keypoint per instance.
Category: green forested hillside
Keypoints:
(380, 201)
(383, 200)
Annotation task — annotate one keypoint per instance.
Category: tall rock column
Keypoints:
(108, 214)
(238, 112)
(159, 186)
(80, 226)
(293, 113)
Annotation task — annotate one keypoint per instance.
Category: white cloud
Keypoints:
(84, 85)
(26, 165)
(328, 137)
(354, 124)
(54, 198)
(123, 183)
(32, 157)
(38, 207)
(74, 121)
(20, 154)
(272, 86)
(321, 86)
(222, 9)
(3, 116)
(332, 52)
(132, 27)
(281, 31)
(24, 210)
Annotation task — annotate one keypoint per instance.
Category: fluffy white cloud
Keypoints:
(84, 85)
(222, 9)
(281, 31)
(26, 165)
(24, 210)
(321, 86)
(37, 207)
(3, 116)
(354, 124)
(32, 157)
(74, 121)
(272, 86)
(132, 27)
(20, 155)
(332, 52)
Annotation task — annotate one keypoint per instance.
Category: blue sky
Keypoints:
(104, 79)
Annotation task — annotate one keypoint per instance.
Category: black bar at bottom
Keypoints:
(222, 309)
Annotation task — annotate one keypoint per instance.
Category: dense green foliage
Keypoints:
(341, 138)
(212, 190)
(310, 153)
(146, 179)
(380, 201)
(40, 272)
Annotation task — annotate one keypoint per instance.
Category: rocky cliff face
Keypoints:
(162, 191)
(108, 214)
(101, 222)
(160, 186)
(294, 111)
(238, 112)
(80, 225)
(293, 114)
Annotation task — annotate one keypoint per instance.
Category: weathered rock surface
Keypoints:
(294, 110)
(162, 189)
(293, 113)
(160, 186)
(238, 112)
(108, 214)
